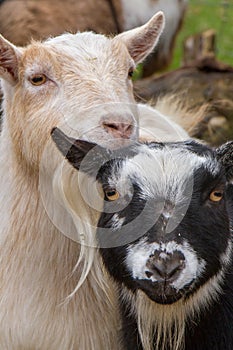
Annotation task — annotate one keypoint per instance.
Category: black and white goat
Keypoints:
(165, 237)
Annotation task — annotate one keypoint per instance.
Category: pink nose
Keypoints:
(119, 130)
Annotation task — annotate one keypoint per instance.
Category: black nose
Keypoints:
(164, 266)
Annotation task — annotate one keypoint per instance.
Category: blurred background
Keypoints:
(200, 74)
(202, 15)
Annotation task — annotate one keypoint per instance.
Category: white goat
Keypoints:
(44, 84)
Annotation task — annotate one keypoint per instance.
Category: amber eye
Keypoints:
(130, 73)
(112, 195)
(216, 196)
(38, 79)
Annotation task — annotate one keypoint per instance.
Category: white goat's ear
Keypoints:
(142, 40)
(225, 156)
(9, 58)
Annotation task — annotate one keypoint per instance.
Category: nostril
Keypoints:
(110, 126)
(174, 267)
(165, 266)
(122, 130)
(149, 274)
(129, 129)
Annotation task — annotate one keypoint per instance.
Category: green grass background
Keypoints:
(206, 14)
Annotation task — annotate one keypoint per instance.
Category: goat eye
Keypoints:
(38, 79)
(216, 196)
(112, 195)
(130, 72)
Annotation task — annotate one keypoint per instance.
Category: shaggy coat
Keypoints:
(71, 81)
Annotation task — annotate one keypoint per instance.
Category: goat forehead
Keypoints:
(88, 45)
(158, 171)
(36, 58)
(84, 39)
(70, 51)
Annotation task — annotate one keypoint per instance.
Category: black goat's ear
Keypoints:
(73, 150)
(225, 156)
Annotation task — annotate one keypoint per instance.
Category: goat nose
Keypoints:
(164, 266)
(119, 130)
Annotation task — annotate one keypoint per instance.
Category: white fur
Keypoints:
(138, 255)
(43, 214)
(117, 222)
(166, 128)
(165, 173)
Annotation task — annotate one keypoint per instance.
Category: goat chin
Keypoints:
(166, 321)
(162, 325)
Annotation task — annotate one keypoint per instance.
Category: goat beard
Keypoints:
(160, 326)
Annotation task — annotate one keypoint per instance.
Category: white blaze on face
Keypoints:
(138, 255)
(165, 174)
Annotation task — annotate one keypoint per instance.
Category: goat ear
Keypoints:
(73, 150)
(225, 156)
(142, 40)
(9, 58)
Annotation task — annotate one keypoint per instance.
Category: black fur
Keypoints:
(206, 226)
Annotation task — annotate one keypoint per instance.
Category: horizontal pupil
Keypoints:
(218, 194)
(112, 193)
(37, 79)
